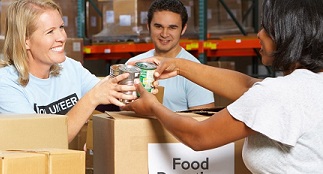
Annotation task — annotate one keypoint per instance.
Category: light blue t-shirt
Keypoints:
(180, 93)
(55, 95)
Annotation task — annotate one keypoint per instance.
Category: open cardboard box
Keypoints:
(121, 142)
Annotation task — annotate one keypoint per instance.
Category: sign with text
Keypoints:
(177, 158)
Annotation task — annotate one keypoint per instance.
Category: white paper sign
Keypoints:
(109, 16)
(177, 158)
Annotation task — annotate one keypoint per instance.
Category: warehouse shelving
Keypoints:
(203, 47)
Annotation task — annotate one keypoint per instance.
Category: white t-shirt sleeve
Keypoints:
(266, 108)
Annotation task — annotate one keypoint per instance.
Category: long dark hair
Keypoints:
(296, 26)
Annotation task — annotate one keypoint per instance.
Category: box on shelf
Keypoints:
(69, 10)
(123, 142)
(4, 6)
(21, 131)
(124, 18)
(74, 49)
(218, 19)
(41, 161)
(93, 19)
(127, 19)
(70, 14)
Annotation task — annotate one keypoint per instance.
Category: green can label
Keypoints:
(146, 74)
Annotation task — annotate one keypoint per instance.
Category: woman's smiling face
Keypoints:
(45, 46)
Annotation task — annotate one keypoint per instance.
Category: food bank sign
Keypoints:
(177, 158)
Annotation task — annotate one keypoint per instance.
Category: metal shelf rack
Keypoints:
(202, 48)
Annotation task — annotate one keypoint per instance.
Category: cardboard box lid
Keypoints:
(24, 131)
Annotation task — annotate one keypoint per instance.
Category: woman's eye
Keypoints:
(49, 32)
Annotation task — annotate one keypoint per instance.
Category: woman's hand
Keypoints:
(108, 91)
(144, 105)
(166, 67)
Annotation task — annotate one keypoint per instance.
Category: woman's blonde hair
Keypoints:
(21, 22)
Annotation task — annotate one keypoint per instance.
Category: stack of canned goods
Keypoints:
(143, 70)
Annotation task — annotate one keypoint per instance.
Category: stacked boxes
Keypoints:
(128, 18)
(124, 17)
(69, 10)
(219, 20)
(37, 144)
(93, 17)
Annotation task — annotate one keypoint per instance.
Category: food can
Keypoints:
(133, 74)
(146, 77)
(115, 70)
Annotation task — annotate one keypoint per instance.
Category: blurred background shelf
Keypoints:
(216, 29)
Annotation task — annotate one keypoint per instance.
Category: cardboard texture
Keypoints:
(84, 141)
(121, 142)
(93, 21)
(63, 161)
(20, 162)
(21, 131)
(74, 49)
(42, 161)
(69, 10)
(129, 17)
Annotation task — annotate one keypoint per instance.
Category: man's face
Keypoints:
(165, 31)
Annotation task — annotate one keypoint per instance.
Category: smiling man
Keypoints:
(167, 22)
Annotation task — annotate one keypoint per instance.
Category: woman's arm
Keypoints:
(213, 132)
(227, 83)
(107, 91)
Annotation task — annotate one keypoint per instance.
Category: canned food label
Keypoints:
(146, 78)
(146, 74)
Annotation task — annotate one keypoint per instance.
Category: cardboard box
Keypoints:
(74, 49)
(3, 11)
(93, 19)
(218, 19)
(122, 140)
(70, 15)
(21, 131)
(42, 161)
(69, 10)
(63, 161)
(129, 18)
(20, 162)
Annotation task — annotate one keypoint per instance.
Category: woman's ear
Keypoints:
(27, 43)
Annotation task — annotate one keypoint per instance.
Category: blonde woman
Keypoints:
(37, 77)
